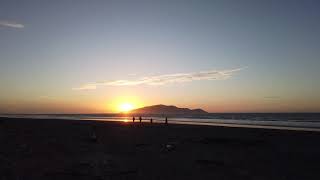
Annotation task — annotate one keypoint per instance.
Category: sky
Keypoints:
(69, 56)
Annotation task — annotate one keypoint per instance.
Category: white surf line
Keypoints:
(185, 122)
(250, 126)
(158, 121)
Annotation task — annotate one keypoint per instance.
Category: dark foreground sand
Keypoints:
(64, 149)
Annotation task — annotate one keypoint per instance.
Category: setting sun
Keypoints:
(124, 103)
(125, 107)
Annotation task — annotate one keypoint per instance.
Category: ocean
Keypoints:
(294, 121)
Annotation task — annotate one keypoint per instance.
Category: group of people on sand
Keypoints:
(151, 120)
(140, 119)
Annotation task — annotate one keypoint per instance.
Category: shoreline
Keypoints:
(182, 122)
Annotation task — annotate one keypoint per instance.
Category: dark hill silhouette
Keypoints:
(163, 109)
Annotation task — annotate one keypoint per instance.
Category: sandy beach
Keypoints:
(70, 149)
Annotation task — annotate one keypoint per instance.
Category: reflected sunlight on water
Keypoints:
(309, 123)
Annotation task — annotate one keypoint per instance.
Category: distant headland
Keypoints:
(167, 110)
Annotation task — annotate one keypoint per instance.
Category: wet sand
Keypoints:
(68, 149)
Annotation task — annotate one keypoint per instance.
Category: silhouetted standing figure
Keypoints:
(151, 120)
(133, 119)
(166, 120)
(140, 119)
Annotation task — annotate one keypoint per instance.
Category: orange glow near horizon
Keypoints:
(125, 107)
(124, 104)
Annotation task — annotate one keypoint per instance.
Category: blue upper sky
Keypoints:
(68, 56)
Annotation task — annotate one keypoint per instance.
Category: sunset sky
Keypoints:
(94, 56)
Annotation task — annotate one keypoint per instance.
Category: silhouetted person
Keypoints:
(166, 120)
(133, 119)
(140, 119)
(151, 120)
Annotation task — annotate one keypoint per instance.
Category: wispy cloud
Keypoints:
(47, 97)
(165, 79)
(10, 24)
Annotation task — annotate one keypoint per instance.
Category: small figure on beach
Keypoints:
(133, 119)
(140, 119)
(151, 120)
(166, 120)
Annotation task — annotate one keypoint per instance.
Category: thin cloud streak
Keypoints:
(166, 79)
(10, 24)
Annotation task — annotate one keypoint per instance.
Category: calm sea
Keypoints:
(295, 121)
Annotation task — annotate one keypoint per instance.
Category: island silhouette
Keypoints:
(167, 110)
